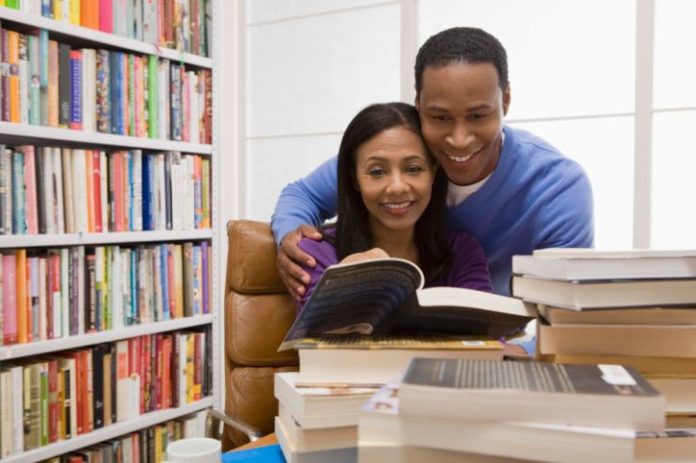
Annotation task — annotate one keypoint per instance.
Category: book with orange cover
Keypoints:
(89, 14)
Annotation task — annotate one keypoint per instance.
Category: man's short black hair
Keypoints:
(462, 45)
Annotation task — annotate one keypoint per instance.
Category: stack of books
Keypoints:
(492, 411)
(319, 406)
(356, 332)
(635, 308)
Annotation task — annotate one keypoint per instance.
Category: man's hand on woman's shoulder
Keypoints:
(290, 257)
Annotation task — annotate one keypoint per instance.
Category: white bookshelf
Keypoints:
(83, 239)
(17, 351)
(13, 134)
(109, 432)
(20, 133)
(103, 38)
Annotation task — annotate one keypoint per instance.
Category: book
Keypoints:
(644, 364)
(679, 392)
(636, 340)
(386, 295)
(581, 295)
(317, 407)
(380, 435)
(293, 455)
(553, 443)
(668, 315)
(551, 393)
(313, 439)
(593, 264)
(355, 359)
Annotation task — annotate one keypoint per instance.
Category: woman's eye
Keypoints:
(414, 169)
(376, 173)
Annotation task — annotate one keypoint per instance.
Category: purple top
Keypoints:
(469, 267)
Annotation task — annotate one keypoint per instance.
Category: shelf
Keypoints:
(23, 133)
(104, 38)
(16, 351)
(77, 239)
(109, 432)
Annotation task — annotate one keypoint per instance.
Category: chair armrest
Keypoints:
(215, 418)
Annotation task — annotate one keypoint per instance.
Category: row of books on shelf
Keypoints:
(49, 189)
(147, 445)
(71, 393)
(53, 293)
(180, 24)
(51, 84)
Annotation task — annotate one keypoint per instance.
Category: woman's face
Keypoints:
(394, 174)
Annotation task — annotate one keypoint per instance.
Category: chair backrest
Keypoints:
(258, 313)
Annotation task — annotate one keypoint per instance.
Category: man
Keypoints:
(508, 188)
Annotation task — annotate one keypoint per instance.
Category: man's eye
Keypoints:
(476, 117)
(442, 118)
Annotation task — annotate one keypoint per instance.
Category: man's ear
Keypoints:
(506, 100)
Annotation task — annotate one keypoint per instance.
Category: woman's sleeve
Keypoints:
(469, 264)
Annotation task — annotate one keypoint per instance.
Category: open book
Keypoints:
(385, 295)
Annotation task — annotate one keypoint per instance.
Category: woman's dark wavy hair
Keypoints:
(353, 232)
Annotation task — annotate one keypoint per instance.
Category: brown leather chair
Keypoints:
(258, 313)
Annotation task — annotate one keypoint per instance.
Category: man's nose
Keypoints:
(460, 137)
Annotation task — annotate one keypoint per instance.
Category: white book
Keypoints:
(317, 407)
(150, 31)
(182, 339)
(57, 302)
(123, 382)
(163, 98)
(17, 407)
(126, 289)
(79, 189)
(293, 455)
(189, 216)
(89, 90)
(592, 264)
(586, 295)
(313, 439)
(177, 197)
(100, 284)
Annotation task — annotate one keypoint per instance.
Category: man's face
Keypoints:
(461, 110)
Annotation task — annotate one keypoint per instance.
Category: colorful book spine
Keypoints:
(75, 89)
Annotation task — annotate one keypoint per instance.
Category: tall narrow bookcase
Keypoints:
(18, 134)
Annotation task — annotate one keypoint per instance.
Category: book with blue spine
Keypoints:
(116, 87)
(147, 192)
(76, 89)
(19, 222)
(103, 85)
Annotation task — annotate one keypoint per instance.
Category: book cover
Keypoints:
(585, 395)
(53, 104)
(386, 295)
(9, 299)
(65, 85)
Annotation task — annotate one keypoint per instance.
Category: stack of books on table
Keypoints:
(319, 406)
(635, 308)
(492, 411)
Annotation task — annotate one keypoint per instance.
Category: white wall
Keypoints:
(311, 65)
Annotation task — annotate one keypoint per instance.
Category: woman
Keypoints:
(391, 202)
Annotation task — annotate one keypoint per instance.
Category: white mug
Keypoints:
(194, 450)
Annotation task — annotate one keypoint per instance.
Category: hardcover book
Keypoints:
(552, 393)
(386, 295)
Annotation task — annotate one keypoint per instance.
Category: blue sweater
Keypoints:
(536, 198)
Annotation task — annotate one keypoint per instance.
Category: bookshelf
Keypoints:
(16, 134)
(109, 432)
